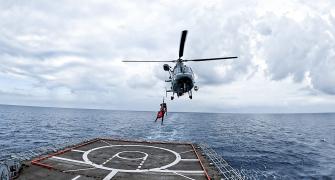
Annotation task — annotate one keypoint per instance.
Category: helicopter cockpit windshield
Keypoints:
(187, 70)
(183, 69)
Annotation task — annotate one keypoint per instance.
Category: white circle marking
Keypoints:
(176, 161)
(144, 157)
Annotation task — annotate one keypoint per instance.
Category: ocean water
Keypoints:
(261, 146)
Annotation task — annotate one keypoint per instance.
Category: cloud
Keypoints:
(300, 49)
(69, 52)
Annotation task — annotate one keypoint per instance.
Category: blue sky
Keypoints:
(69, 53)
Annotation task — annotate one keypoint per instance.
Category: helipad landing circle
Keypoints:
(87, 160)
(125, 154)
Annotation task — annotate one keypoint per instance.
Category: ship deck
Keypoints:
(119, 159)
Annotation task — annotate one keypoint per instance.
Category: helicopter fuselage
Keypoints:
(182, 79)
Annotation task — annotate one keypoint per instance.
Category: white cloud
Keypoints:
(300, 49)
(68, 53)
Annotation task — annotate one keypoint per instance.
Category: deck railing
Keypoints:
(226, 171)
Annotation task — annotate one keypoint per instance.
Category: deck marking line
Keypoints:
(110, 175)
(186, 151)
(141, 164)
(189, 159)
(179, 171)
(144, 157)
(76, 177)
(74, 170)
(107, 160)
(183, 176)
(77, 150)
(69, 160)
(106, 142)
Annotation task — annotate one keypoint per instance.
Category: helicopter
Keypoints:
(181, 76)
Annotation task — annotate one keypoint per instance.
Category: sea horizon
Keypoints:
(127, 110)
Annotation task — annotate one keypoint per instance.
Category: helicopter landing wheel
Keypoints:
(172, 97)
(190, 97)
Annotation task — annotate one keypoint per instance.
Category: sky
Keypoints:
(69, 54)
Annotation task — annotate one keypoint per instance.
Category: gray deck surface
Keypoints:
(112, 159)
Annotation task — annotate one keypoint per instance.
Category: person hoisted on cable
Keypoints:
(162, 111)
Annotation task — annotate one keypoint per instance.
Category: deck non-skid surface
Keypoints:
(112, 159)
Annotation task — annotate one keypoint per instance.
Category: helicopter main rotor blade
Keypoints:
(210, 59)
(182, 43)
(151, 61)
